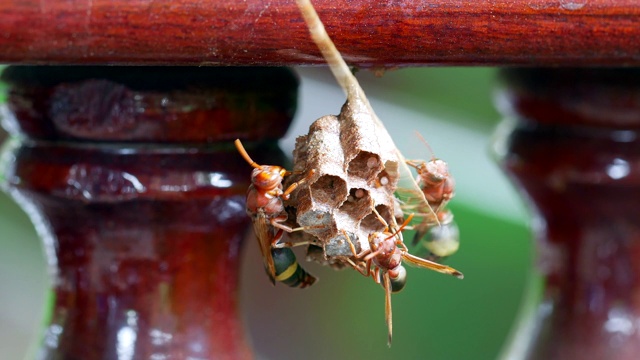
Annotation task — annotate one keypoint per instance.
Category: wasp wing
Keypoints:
(423, 263)
(264, 234)
(387, 304)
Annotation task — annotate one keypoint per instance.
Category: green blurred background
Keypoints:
(342, 316)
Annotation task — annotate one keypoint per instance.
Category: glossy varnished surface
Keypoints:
(139, 201)
(153, 104)
(579, 167)
(367, 32)
(143, 246)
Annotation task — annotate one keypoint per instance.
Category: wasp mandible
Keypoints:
(265, 206)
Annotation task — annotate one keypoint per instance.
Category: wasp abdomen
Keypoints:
(288, 271)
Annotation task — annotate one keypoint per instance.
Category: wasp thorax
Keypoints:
(388, 255)
(436, 170)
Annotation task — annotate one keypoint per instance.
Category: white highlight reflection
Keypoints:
(618, 169)
(212, 178)
(127, 337)
(52, 336)
(159, 337)
(619, 322)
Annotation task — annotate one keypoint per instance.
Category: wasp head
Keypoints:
(267, 177)
(435, 171)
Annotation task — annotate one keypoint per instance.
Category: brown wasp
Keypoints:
(435, 181)
(383, 261)
(265, 206)
(439, 235)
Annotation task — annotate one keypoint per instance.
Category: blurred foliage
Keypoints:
(446, 92)
(3, 88)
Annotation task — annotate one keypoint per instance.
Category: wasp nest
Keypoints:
(354, 174)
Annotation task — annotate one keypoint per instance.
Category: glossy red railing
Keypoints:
(369, 33)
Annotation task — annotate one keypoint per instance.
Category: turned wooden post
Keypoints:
(138, 196)
(573, 148)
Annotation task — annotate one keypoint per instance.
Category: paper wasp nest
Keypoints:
(355, 171)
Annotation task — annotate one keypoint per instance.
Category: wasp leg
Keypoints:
(364, 271)
(372, 255)
(376, 275)
(275, 222)
(288, 244)
(416, 164)
(421, 230)
(353, 248)
(381, 219)
(292, 187)
(401, 244)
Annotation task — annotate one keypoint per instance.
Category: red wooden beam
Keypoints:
(367, 32)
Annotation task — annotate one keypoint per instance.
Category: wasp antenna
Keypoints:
(245, 155)
(381, 219)
(404, 224)
(433, 155)
(295, 185)
(298, 172)
(413, 163)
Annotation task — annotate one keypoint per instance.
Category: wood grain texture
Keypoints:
(369, 33)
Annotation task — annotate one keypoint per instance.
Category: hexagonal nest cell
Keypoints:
(365, 166)
(358, 203)
(348, 166)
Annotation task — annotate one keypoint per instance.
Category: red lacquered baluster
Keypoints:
(139, 199)
(573, 149)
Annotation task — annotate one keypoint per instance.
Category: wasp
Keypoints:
(266, 208)
(438, 234)
(383, 261)
(438, 186)
(435, 181)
